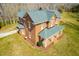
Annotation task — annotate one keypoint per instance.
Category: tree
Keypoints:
(75, 8)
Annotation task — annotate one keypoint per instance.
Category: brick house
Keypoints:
(40, 25)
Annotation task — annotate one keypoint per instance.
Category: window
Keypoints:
(29, 25)
(29, 35)
(23, 33)
(26, 37)
(21, 21)
(51, 25)
(41, 27)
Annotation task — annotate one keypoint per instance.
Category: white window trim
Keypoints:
(41, 27)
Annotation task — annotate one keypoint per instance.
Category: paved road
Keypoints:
(7, 33)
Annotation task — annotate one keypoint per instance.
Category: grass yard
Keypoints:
(8, 28)
(67, 46)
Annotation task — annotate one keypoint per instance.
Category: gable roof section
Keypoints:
(57, 14)
(50, 14)
(38, 16)
(21, 13)
(47, 33)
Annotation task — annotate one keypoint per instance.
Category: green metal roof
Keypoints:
(21, 13)
(50, 14)
(46, 33)
(57, 14)
(40, 16)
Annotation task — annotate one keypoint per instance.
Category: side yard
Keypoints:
(8, 28)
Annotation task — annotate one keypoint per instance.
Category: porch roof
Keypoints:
(47, 33)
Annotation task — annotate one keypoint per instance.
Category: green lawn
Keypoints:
(8, 28)
(68, 45)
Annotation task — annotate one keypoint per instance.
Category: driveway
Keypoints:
(7, 33)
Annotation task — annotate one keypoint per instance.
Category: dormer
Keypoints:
(52, 22)
(54, 18)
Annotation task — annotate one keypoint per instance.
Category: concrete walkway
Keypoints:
(7, 33)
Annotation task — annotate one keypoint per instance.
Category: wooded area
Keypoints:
(8, 12)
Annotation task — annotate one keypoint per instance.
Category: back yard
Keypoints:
(68, 45)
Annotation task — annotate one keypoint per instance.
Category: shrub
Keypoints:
(39, 43)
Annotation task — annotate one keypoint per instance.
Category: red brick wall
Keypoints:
(38, 28)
